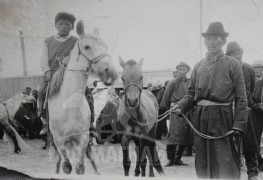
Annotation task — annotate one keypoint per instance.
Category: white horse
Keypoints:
(69, 113)
(7, 112)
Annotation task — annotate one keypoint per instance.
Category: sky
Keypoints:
(163, 32)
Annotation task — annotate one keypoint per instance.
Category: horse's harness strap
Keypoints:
(92, 61)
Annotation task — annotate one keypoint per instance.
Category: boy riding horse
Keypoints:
(55, 47)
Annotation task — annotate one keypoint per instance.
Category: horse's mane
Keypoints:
(131, 62)
(57, 79)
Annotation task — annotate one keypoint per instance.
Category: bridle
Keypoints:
(125, 95)
(91, 61)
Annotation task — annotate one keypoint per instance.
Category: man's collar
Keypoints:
(62, 38)
(219, 55)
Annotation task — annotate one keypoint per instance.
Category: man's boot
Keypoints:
(188, 151)
(44, 127)
(170, 149)
(178, 156)
(252, 165)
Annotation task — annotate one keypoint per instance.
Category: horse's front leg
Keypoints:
(125, 152)
(137, 150)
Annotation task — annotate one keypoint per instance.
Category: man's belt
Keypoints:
(211, 103)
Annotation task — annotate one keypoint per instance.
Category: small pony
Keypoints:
(7, 112)
(69, 112)
(137, 115)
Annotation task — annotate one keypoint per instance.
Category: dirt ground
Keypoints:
(38, 162)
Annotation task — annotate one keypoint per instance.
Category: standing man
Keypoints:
(55, 46)
(178, 135)
(257, 109)
(250, 148)
(215, 83)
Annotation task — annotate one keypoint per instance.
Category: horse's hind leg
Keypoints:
(88, 153)
(58, 161)
(11, 133)
(80, 167)
(126, 158)
(155, 161)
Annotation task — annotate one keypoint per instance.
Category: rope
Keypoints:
(204, 135)
(165, 114)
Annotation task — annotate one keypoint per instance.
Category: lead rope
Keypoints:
(188, 121)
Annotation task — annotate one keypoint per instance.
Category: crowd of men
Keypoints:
(223, 94)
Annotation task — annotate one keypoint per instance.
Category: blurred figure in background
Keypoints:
(250, 148)
(257, 109)
(178, 135)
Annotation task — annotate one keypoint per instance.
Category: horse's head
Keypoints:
(23, 98)
(132, 81)
(93, 54)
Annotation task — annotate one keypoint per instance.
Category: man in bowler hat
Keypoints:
(216, 82)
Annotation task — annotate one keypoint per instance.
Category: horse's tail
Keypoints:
(21, 143)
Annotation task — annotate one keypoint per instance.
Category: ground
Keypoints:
(38, 162)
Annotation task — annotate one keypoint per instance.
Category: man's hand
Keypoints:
(237, 132)
(48, 75)
(177, 109)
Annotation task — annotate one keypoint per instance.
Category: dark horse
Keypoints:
(136, 116)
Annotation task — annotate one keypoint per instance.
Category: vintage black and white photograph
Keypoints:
(128, 89)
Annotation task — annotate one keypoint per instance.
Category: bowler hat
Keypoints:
(183, 64)
(215, 29)
(65, 16)
(232, 47)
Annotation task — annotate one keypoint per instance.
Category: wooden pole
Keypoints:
(201, 23)
(23, 52)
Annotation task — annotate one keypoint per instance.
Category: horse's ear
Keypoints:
(80, 29)
(122, 62)
(96, 31)
(140, 62)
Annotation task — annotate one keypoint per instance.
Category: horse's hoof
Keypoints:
(97, 173)
(151, 174)
(143, 174)
(136, 174)
(137, 171)
(67, 168)
(17, 150)
(80, 169)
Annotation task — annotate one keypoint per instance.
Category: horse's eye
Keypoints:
(141, 78)
(86, 47)
(122, 79)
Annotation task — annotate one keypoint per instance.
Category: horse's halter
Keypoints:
(91, 61)
(125, 96)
